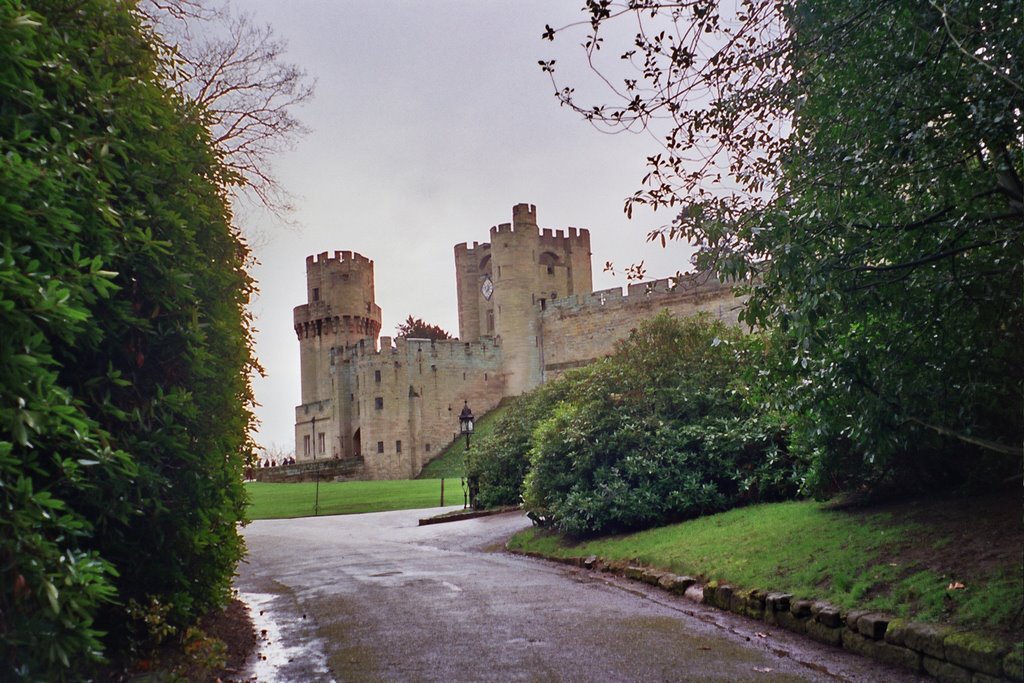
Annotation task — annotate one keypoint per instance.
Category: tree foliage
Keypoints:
(658, 432)
(859, 164)
(124, 343)
(417, 328)
(498, 462)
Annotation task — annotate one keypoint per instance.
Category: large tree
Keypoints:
(859, 164)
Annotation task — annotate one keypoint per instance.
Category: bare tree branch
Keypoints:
(236, 70)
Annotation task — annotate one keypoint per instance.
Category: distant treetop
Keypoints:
(417, 328)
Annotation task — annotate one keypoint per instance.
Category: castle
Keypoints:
(527, 312)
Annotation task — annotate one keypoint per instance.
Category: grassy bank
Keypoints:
(281, 501)
(940, 561)
(451, 463)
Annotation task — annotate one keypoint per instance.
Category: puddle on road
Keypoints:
(286, 649)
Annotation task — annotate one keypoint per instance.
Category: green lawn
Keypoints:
(277, 501)
(877, 560)
(452, 461)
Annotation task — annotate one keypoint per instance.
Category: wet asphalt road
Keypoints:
(378, 598)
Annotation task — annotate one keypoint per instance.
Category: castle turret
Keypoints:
(340, 311)
(474, 287)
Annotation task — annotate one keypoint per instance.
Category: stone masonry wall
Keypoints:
(407, 398)
(579, 329)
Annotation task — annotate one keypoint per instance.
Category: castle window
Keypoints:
(551, 270)
(316, 294)
(305, 445)
(380, 446)
(398, 446)
(490, 322)
(321, 444)
(428, 448)
(376, 376)
(378, 403)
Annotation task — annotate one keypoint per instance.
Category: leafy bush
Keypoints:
(124, 394)
(657, 433)
(498, 462)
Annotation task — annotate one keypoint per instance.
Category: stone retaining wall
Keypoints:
(950, 654)
(335, 469)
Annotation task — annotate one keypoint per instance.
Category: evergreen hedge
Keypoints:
(125, 348)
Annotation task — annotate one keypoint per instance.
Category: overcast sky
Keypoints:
(430, 120)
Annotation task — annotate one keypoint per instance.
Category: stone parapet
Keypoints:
(334, 469)
(578, 329)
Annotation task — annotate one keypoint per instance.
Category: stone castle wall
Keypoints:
(579, 329)
(405, 398)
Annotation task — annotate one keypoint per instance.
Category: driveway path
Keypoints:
(378, 598)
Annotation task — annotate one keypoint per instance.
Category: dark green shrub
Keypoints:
(124, 344)
(498, 462)
(657, 433)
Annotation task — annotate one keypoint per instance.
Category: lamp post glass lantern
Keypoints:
(466, 427)
(466, 422)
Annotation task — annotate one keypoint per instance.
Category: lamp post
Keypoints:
(316, 473)
(466, 427)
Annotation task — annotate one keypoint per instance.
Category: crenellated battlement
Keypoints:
(463, 249)
(408, 348)
(547, 237)
(524, 213)
(339, 256)
(578, 238)
(685, 287)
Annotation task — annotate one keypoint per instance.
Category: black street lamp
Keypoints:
(466, 427)
(466, 422)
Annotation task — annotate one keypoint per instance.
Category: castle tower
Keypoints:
(340, 311)
(503, 287)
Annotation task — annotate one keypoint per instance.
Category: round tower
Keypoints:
(341, 310)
